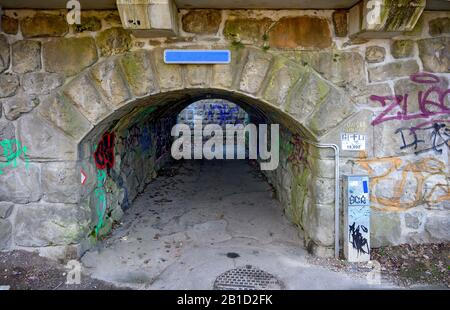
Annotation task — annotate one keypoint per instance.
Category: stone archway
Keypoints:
(60, 131)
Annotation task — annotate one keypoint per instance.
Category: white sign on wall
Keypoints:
(353, 142)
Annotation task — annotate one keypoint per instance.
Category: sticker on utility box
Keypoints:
(353, 142)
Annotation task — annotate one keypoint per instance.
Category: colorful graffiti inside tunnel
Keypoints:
(142, 193)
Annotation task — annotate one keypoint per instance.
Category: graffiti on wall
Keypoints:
(398, 184)
(101, 204)
(104, 160)
(225, 114)
(428, 136)
(104, 153)
(398, 107)
(12, 150)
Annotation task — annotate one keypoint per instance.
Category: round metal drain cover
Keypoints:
(247, 278)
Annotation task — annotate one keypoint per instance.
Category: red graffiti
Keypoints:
(427, 106)
(104, 154)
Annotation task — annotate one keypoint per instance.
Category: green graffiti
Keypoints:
(11, 155)
(100, 194)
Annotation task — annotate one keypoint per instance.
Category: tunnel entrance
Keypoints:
(184, 214)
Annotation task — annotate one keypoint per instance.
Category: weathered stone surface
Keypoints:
(21, 184)
(393, 70)
(439, 26)
(405, 86)
(10, 25)
(254, 71)
(57, 110)
(306, 96)
(375, 54)
(113, 41)
(169, 75)
(284, 75)
(49, 224)
(330, 112)
(198, 75)
(223, 75)
(113, 19)
(402, 48)
(44, 142)
(336, 67)
(15, 106)
(437, 225)
(107, 77)
(7, 132)
(340, 23)
(435, 54)
(363, 97)
(246, 30)
(88, 23)
(44, 25)
(26, 56)
(69, 55)
(5, 234)
(38, 83)
(4, 53)
(59, 182)
(87, 99)
(8, 84)
(137, 67)
(302, 31)
(385, 228)
(320, 224)
(202, 21)
(6, 209)
(414, 220)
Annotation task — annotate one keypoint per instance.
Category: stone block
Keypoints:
(69, 55)
(108, 79)
(392, 70)
(202, 21)
(301, 31)
(61, 182)
(44, 25)
(44, 142)
(5, 234)
(138, 70)
(385, 229)
(375, 54)
(435, 54)
(246, 30)
(254, 72)
(10, 25)
(38, 83)
(87, 99)
(20, 104)
(340, 23)
(402, 48)
(21, 183)
(63, 115)
(38, 225)
(9, 83)
(6, 209)
(26, 56)
(4, 53)
(439, 26)
(113, 41)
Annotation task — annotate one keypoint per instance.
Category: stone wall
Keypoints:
(63, 87)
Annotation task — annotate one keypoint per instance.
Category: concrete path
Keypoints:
(179, 234)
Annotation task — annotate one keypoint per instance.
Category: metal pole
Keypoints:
(335, 147)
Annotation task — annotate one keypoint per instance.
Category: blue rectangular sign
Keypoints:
(197, 56)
